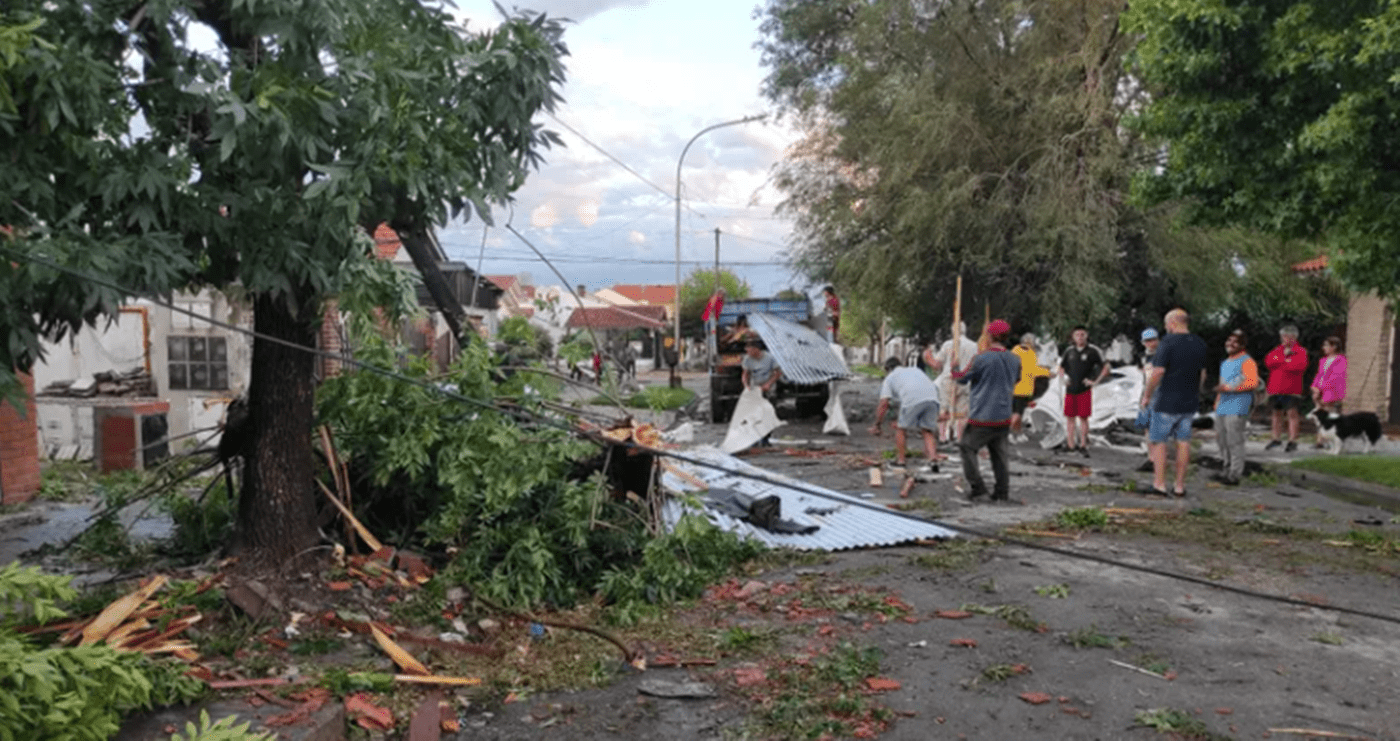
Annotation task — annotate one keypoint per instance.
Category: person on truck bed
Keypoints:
(738, 333)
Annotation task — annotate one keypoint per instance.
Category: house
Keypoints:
(479, 297)
(613, 323)
(648, 295)
(195, 368)
(1372, 339)
(190, 368)
(517, 297)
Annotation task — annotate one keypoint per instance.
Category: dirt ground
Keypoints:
(1105, 644)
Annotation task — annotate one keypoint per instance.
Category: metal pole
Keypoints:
(714, 345)
(675, 380)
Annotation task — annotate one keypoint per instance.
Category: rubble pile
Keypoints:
(135, 382)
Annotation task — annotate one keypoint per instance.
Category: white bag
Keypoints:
(753, 419)
(835, 416)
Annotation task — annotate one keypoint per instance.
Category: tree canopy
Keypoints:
(153, 163)
(697, 288)
(1282, 116)
(984, 139)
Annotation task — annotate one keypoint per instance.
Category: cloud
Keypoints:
(636, 237)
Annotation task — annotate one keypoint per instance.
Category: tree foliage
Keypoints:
(1281, 116)
(512, 502)
(156, 164)
(79, 693)
(696, 290)
(981, 139)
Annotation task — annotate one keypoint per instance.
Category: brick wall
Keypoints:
(1370, 327)
(19, 448)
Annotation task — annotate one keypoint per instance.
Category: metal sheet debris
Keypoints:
(843, 522)
(804, 355)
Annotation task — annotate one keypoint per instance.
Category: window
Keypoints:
(198, 363)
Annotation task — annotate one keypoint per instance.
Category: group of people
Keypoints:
(991, 376)
(1002, 381)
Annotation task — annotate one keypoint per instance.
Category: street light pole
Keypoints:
(675, 380)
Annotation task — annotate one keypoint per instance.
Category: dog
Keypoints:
(1334, 431)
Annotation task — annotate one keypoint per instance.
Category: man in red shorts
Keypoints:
(1082, 366)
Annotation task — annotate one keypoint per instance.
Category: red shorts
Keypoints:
(1079, 405)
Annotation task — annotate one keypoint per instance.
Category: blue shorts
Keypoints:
(923, 415)
(1166, 426)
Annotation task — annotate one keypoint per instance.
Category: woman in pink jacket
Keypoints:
(1329, 387)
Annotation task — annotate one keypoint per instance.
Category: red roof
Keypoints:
(647, 294)
(1315, 265)
(618, 317)
(386, 242)
(504, 282)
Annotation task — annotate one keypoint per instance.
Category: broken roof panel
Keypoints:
(844, 522)
(804, 355)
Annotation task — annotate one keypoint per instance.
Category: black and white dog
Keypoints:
(1334, 431)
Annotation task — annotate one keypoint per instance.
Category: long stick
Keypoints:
(957, 344)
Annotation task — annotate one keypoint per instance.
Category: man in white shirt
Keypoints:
(917, 398)
(953, 417)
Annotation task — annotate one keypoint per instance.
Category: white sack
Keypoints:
(753, 418)
(835, 416)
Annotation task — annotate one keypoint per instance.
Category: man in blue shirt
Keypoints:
(993, 375)
(1234, 396)
(1178, 371)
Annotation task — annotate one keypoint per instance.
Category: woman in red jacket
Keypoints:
(1286, 364)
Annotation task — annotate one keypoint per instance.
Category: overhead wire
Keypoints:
(525, 415)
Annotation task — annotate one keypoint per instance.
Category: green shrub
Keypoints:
(661, 398)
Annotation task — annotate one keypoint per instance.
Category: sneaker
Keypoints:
(1230, 481)
(929, 468)
(1290, 447)
(1273, 444)
(1084, 452)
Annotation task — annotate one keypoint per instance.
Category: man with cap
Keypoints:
(992, 376)
(1150, 341)
(917, 397)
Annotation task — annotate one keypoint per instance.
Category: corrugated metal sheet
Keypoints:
(845, 522)
(804, 355)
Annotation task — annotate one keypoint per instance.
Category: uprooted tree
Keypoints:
(140, 160)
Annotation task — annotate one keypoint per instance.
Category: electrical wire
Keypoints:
(525, 415)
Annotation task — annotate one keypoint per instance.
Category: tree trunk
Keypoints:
(277, 506)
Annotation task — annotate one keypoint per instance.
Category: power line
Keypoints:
(669, 195)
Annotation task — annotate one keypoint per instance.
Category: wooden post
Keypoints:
(953, 361)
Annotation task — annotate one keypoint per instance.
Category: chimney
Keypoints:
(582, 290)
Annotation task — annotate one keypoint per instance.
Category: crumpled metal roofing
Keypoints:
(844, 522)
(804, 355)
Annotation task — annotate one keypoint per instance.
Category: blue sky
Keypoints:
(643, 78)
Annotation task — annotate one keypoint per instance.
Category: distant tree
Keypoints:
(791, 294)
(984, 138)
(254, 161)
(1280, 116)
(697, 289)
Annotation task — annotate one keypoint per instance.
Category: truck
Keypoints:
(806, 358)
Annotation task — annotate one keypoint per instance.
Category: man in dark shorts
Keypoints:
(1286, 364)
(1178, 372)
(993, 375)
(1082, 366)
